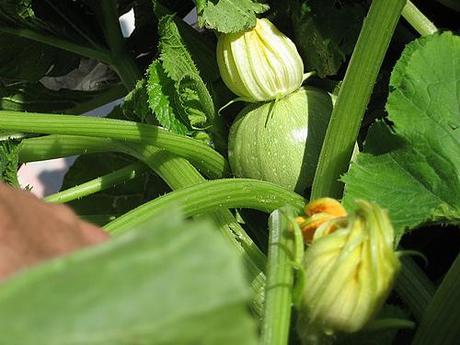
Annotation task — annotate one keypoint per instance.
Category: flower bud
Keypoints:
(348, 272)
(261, 64)
(325, 205)
(317, 213)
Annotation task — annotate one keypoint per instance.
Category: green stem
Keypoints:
(56, 146)
(414, 287)
(176, 171)
(280, 279)
(108, 14)
(354, 96)
(441, 321)
(210, 196)
(123, 63)
(418, 20)
(208, 160)
(181, 176)
(98, 184)
(100, 54)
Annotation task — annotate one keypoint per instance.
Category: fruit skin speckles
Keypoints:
(264, 139)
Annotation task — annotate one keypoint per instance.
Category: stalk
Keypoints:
(56, 146)
(414, 287)
(207, 160)
(176, 171)
(418, 20)
(210, 196)
(441, 321)
(98, 184)
(123, 63)
(100, 54)
(354, 96)
(280, 280)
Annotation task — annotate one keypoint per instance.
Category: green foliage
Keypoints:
(34, 97)
(136, 106)
(325, 32)
(172, 281)
(414, 172)
(9, 162)
(23, 59)
(161, 284)
(162, 94)
(177, 93)
(229, 15)
(14, 10)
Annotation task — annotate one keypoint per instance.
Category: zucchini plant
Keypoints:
(273, 176)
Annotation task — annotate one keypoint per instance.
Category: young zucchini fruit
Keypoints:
(280, 141)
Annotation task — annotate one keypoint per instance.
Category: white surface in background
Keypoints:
(46, 177)
(127, 23)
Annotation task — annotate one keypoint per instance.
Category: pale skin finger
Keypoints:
(32, 231)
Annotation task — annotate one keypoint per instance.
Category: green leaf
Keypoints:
(196, 101)
(9, 162)
(414, 171)
(174, 55)
(325, 32)
(162, 94)
(136, 104)
(229, 15)
(11, 10)
(161, 284)
(177, 94)
(23, 59)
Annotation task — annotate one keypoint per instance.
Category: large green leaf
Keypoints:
(169, 282)
(415, 171)
(229, 15)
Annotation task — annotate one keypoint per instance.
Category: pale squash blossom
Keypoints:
(348, 272)
(261, 64)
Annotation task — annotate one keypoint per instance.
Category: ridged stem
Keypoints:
(210, 196)
(176, 171)
(280, 279)
(354, 95)
(206, 159)
(414, 287)
(98, 184)
(418, 20)
(441, 321)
